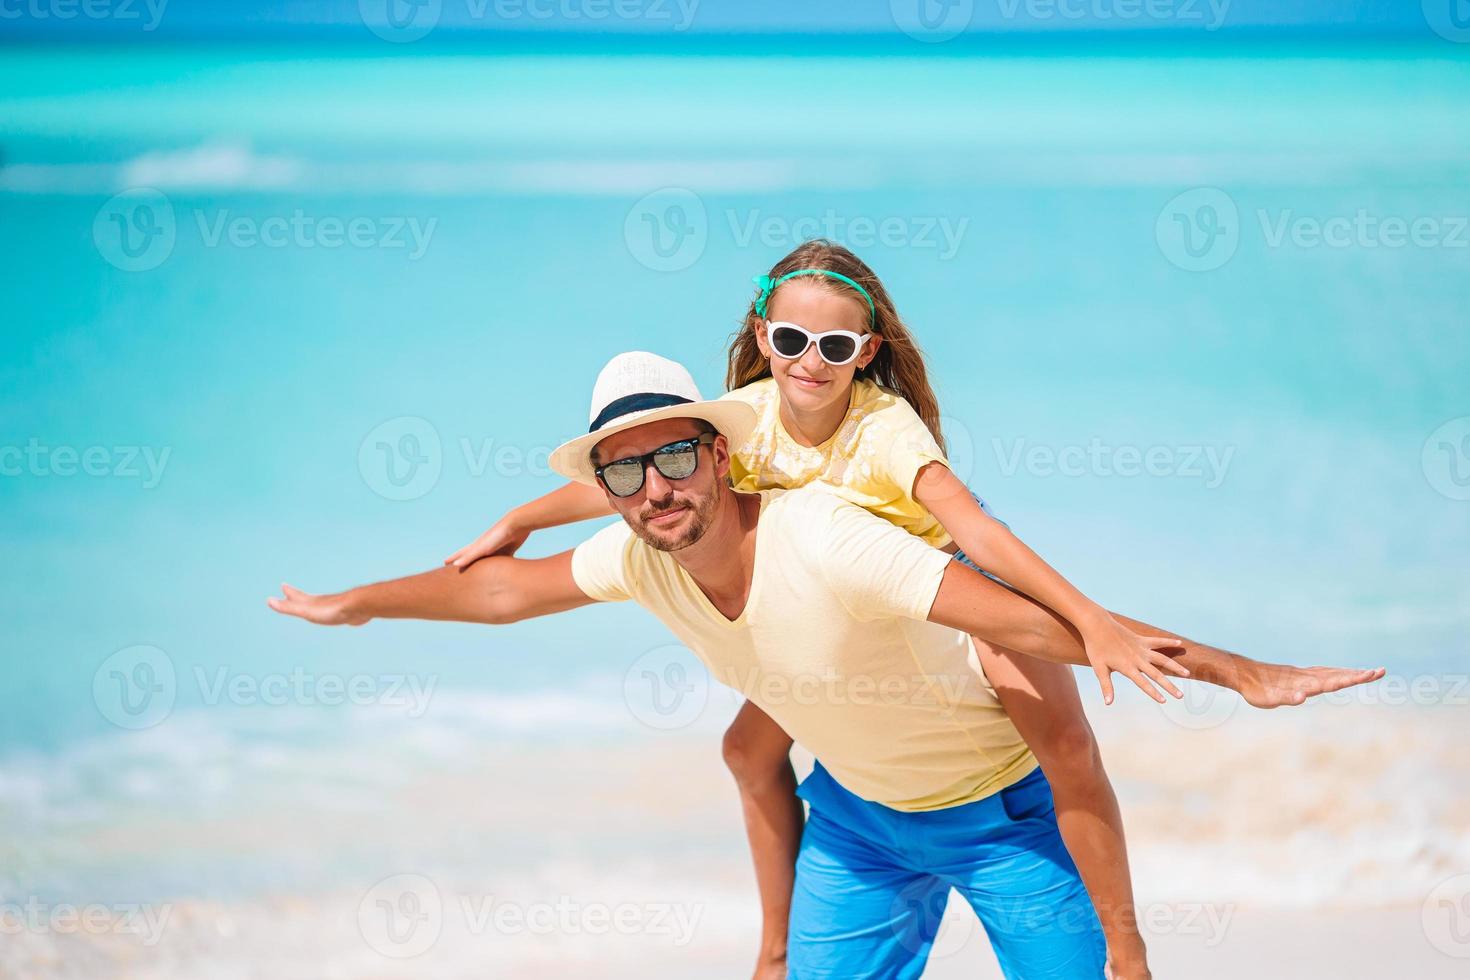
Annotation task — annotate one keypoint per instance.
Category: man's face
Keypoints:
(668, 514)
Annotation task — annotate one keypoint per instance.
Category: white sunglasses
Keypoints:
(837, 347)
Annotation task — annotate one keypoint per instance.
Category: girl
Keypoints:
(843, 397)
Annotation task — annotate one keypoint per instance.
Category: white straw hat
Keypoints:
(637, 388)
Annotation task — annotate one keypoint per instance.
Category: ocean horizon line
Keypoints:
(358, 40)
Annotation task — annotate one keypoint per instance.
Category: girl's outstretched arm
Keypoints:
(565, 505)
(1110, 645)
(758, 752)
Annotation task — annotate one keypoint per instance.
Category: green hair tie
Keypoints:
(768, 286)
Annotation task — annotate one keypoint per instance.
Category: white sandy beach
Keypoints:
(1270, 944)
(1289, 844)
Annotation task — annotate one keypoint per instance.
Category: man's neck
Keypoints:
(722, 561)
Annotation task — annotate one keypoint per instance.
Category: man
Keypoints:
(853, 635)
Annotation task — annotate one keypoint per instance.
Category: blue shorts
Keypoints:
(872, 884)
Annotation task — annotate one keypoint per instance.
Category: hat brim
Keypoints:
(732, 419)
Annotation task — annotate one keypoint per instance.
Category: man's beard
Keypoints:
(701, 515)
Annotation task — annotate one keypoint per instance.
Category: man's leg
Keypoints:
(1005, 855)
(856, 912)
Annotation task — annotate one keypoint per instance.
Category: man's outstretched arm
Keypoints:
(494, 590)
(971, 602)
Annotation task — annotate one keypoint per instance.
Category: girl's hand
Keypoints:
(504, 538)
(1111, 646)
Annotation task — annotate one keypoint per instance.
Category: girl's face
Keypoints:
(809, 384)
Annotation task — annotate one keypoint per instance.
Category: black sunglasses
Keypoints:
(676, 461)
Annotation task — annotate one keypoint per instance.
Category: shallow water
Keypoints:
(1257, 436)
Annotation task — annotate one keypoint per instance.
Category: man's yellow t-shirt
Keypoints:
(871, 459)
(834, 644)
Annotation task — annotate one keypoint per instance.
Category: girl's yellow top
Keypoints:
(871, 460)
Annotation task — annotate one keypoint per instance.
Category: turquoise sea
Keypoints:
(1199, 320)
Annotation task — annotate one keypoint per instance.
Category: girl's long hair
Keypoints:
(899, 364)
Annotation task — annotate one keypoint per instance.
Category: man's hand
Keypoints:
(772, 969)
(1120, 970)
(1276, 685)
(494, 590)
(324, 610)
